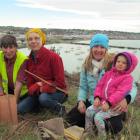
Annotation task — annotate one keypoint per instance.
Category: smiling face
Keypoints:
(98, 52)
(9, 51)
(34, 41)
(121, 63)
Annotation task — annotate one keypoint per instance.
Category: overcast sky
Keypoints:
(117, 15)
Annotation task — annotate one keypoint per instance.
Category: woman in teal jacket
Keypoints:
(97, 62)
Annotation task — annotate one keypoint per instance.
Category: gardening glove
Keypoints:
(34, 89)
(47, 88)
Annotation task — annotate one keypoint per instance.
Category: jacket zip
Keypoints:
(106, 95)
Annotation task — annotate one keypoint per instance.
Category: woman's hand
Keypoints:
(34, 89)
(46, 88)
(81, 107)
(105, 107)
(121, 106)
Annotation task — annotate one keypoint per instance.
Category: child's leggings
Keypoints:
(99, 116)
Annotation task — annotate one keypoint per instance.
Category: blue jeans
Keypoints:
(52, 101)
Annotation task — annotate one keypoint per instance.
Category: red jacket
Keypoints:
(47, 65)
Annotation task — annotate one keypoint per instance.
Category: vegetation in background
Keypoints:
(65, 35)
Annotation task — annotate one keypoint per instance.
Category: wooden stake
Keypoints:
(46, 82)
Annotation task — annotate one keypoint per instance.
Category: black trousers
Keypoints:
(114, 124)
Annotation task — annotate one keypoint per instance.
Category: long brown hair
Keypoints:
(108, 59)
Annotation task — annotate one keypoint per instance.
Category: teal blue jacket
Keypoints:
(87, 85)
(133, 92)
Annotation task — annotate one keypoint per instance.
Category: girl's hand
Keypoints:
(105, 107)
(97, 102)
(81, 107)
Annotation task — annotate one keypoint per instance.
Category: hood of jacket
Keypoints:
(131, 58)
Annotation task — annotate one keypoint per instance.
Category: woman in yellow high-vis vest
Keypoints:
(12, 66)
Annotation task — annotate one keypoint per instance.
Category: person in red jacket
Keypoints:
(49, 66)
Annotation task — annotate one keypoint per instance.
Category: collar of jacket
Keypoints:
(38, 56)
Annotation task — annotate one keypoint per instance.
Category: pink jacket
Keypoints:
(114, 85)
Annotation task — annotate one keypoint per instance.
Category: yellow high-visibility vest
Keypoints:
(20, 58)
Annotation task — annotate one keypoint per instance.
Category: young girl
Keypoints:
(110, 90)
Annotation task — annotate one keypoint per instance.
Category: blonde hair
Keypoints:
(87, 65)
(38, 31)
(108, 59)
